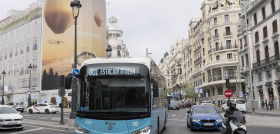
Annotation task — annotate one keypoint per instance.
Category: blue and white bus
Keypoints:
(121, 95)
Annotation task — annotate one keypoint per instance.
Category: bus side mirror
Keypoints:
(68, 81)
(155, 89)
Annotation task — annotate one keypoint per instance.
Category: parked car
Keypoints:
(240, 105)
(10, 118)
(181, 104)
(187, 104)
(43, 108)
(204, 117)
(206, 103)
(17, 106)
(173, 105)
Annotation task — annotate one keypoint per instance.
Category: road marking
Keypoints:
(173, 115)
(28, 130)
(177, 120)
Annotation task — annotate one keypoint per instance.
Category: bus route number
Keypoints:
(88, 122)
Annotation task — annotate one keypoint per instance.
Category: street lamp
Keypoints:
(4, 73)
(29, 97)
(109, 52)
(76, 5)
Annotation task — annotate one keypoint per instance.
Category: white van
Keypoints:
(240, 105)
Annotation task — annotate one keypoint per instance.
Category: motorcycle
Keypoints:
(237, 124)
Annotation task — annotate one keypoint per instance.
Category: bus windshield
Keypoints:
(100, 97)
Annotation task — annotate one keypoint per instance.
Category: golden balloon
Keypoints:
(98, 19)
(58, 15)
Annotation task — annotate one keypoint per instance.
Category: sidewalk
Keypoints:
(274, 113)
(47, 124)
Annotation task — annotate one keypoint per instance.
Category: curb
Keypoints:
(64, 127)
(264, 114)
(263, 125)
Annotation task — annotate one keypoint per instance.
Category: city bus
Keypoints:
(121, 95)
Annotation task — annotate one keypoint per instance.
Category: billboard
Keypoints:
(58, 36)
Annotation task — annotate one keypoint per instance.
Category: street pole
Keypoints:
(61, 118)
(3, 94)
(74, 90)
(249, 60)
(29, 97)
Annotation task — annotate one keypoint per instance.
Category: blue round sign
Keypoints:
(75, 71)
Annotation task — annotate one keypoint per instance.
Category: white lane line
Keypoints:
(58, 130)
(177, 120)
(28, 130)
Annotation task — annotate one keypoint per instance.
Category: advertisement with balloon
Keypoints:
(59, 33)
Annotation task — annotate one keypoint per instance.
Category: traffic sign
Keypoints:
(61, 92)
(75, 71)
(228, 93)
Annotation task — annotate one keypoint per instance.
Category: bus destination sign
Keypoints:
(111, 71)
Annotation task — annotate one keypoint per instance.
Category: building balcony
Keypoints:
(221, 48)
(266, 62)
(198, 60)
(209, 51)
(221, 62)
(216, 37)
(226, 34)
(209, 39)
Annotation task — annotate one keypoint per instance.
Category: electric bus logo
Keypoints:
(110, 125)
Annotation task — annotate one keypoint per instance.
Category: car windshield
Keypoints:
(7, 110)
(240, 101)
(173, 103)
(201, 110)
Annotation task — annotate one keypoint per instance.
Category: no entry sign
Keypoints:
(228, 93)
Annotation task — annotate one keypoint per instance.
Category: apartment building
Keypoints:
(114, 39)
(209, 55)
(258, 35)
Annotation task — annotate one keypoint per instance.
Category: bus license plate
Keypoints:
(208, 124)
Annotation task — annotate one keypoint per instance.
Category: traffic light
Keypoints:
(227, 83)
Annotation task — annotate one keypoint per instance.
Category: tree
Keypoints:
(190, 91)
(169, 91)
(53, 100)
(65, 102)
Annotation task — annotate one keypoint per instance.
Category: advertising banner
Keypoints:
(58, 36)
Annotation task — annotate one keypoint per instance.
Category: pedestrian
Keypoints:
(271, 104)
(266, 104)
(275, 103)
(262, 104)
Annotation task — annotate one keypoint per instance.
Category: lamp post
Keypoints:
(3, 73)
(76, 5)
(109, 52)
(29, 97)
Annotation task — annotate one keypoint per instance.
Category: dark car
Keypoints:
(187, 104)
(17, 106)
(204, 117)
(181, 104)
(173, 105)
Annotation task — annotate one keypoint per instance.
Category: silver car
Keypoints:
(10, 118)
(17, 106)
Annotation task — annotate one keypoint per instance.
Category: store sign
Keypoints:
(111, 71)
(196, 90)
(201, 91)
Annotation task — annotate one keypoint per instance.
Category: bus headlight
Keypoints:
(146, 130)
(81, 130)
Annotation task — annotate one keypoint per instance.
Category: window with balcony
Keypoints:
(263, 13)
(241, 44)
(272, 6)
(274, 26)
(247, 60)
(216, 33)
(246, 41)
(260, 76)
(227, 17)
(255, 19)
(220, 90)
(228, 31)
(217, 74)
(265, 32)
(213, 92)
(209, 75)
(34, 46)
(119, 54)
(268, 74)
(230, 72)
(217, 46)
(228, 43)
(27, 49)
(229, 56)
(276, 50)
(11, 54)
(242, 61)
(217, 57)
(215, 20)
(1, 58)
(256, 37)
(266, 54)
(258, 56)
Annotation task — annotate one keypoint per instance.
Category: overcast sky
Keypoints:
(152, 24)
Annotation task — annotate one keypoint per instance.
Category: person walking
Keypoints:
(275, 103)
(271, 104)
(266, 104)
(262, 104)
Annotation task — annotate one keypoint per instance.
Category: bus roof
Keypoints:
(140, 60)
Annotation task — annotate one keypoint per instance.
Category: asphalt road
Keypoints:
(46, 117)
(176, 124)
(35, 130)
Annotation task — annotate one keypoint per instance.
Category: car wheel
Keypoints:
(47, 111)
(21, 111)
(188, 124)
(54, 112)
(30, 111)
(191, 127)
